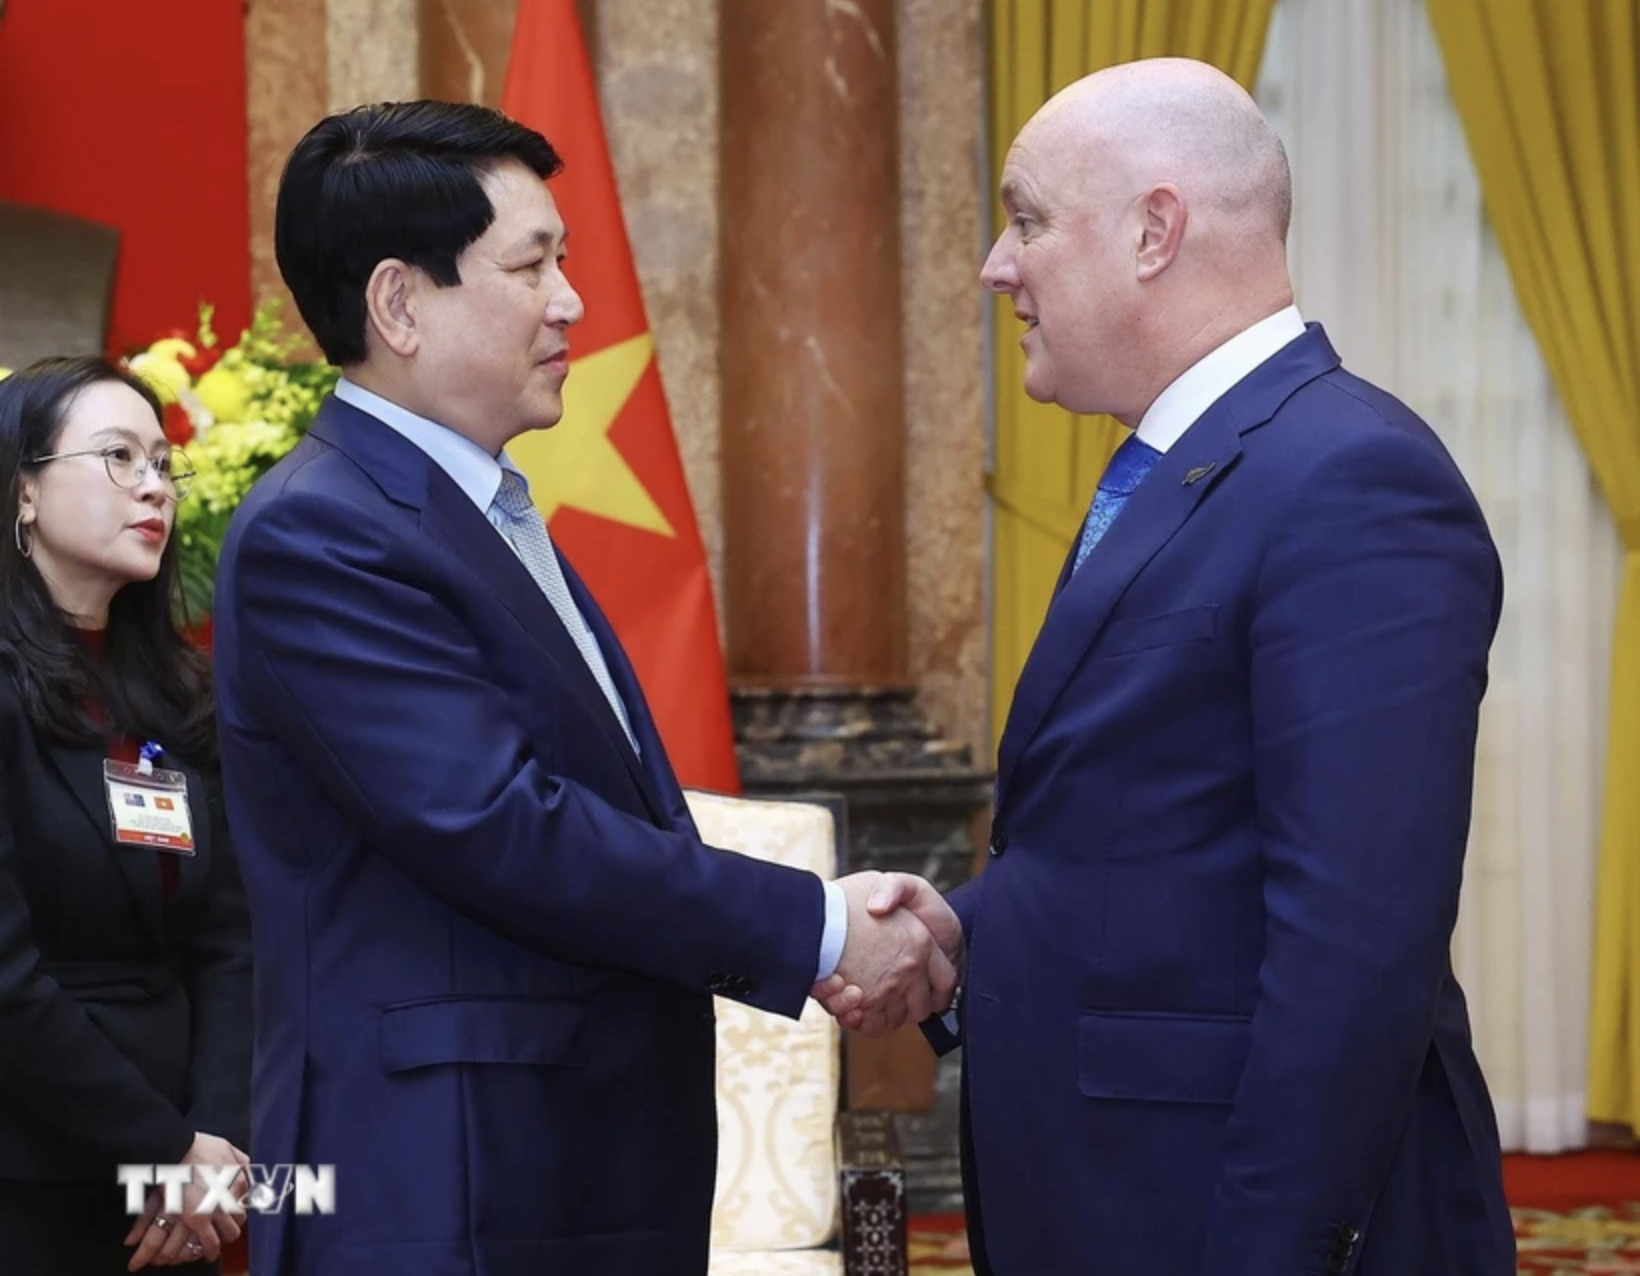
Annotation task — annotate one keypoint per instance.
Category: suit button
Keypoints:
(718, 982)
(741, 987)
(999, 843)
(1349, 1236)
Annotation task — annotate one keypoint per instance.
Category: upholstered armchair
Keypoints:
(802, 1188)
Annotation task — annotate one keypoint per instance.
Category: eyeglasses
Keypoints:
(127, 469)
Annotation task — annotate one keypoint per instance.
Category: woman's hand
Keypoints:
(165, 1240)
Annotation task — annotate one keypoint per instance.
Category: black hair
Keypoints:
(399, 179)
(152, 682)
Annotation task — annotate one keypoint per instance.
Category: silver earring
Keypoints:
(17, 535)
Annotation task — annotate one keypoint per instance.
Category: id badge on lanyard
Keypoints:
(147, 806)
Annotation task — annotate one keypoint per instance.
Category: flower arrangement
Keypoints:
(235, 412)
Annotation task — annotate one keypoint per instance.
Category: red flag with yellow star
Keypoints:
(607, 478)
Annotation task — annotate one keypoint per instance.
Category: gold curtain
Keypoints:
(1549, 94)
(1047, 460)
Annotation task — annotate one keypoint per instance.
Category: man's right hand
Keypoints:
(901, 958)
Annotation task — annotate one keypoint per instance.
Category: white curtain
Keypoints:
(1391, 251)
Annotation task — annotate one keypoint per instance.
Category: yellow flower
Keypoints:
(224, 394)
(167, 377)
(173, 348)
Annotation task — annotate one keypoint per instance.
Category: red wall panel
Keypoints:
(133, 114)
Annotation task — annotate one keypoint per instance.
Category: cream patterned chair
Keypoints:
(799, 1185)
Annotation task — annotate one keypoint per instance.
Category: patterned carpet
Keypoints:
(1601, 1239)
(938, 1246)
(1597, 1240)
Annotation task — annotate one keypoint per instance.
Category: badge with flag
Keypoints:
(608, 478)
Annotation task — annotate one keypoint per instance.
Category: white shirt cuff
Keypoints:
(835, 933)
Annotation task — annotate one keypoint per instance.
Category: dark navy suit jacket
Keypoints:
(1210, 1022)
(486, 934)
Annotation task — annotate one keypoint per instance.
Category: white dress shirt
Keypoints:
(1205, 382)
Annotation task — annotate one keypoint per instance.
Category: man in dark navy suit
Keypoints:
(1209, 1021)
(487, 935)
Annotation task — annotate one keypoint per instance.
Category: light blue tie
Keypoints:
(527, 533)
(1127, 469)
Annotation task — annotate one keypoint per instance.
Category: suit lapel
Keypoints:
(1151, 517)
(410, 477)
(1066, 567)
(454, 521)
(1191, 470)
(82, 772)
(653, 770)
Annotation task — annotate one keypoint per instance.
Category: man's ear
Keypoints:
(390, 297)
(1162, 218)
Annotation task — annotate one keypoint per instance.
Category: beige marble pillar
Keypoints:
(943, 198)
(303, 60)
(373, 51)
(287, 87)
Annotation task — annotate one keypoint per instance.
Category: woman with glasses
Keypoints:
(125, 1025)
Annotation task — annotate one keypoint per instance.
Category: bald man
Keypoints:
(1210, 1023)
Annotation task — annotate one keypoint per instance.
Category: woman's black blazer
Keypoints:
(125, 1016)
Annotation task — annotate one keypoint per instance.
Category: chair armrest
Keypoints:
(872, 1182)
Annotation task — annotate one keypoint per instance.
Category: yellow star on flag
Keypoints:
(575, 464)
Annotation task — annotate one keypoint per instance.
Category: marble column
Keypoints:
(465, 45)
(303, 60)
(813, 415)
(287, 90)
(813, 456)
(464, 48)
(373, 51)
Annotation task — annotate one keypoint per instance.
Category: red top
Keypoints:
(126, 748)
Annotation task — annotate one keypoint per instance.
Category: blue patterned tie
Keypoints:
(1127, 469)
(527, 533)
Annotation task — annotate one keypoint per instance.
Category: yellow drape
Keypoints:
(1549, 94)
(1047, 460)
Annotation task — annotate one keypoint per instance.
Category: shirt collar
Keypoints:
(473, 470)
(1205, 382)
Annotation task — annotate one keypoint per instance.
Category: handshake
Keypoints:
(902, 959)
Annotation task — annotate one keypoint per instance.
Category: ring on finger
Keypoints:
(162, 1222)
(192, 1245)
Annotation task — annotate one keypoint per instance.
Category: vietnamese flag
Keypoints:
(607, 478)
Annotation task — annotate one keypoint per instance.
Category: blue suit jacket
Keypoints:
(1210, 1023)
(486, 933)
